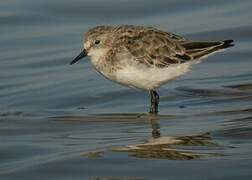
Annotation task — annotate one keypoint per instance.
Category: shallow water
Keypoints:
(67, 122)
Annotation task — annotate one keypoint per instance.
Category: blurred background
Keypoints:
(52, 113)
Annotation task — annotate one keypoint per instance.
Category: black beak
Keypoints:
(80, 56)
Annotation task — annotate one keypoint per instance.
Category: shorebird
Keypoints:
(144, 57)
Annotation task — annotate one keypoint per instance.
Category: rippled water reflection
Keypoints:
(67, 122)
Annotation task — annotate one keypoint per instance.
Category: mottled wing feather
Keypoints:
(151, 46)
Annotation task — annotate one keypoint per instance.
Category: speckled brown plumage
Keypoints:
(148, 45)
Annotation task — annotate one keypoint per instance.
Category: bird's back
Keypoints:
(154, 47)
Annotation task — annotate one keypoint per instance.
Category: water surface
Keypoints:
(67, 122)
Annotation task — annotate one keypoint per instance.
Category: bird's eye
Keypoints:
(97, 41)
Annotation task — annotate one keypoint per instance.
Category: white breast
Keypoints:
(99, 62)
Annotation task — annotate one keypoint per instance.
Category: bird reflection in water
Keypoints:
(165, 147)
(155, 125)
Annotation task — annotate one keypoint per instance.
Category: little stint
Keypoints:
(144, 57)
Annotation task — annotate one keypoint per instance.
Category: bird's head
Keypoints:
(97, 38)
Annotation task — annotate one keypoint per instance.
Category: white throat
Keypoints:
(96, 55)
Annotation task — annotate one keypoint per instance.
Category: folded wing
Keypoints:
(153, 47)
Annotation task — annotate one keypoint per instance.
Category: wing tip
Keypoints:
(227, 43)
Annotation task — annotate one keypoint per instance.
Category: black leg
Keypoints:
(154, 102)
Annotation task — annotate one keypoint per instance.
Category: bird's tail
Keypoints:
(201, 49)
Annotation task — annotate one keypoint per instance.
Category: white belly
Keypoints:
(150, 78)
